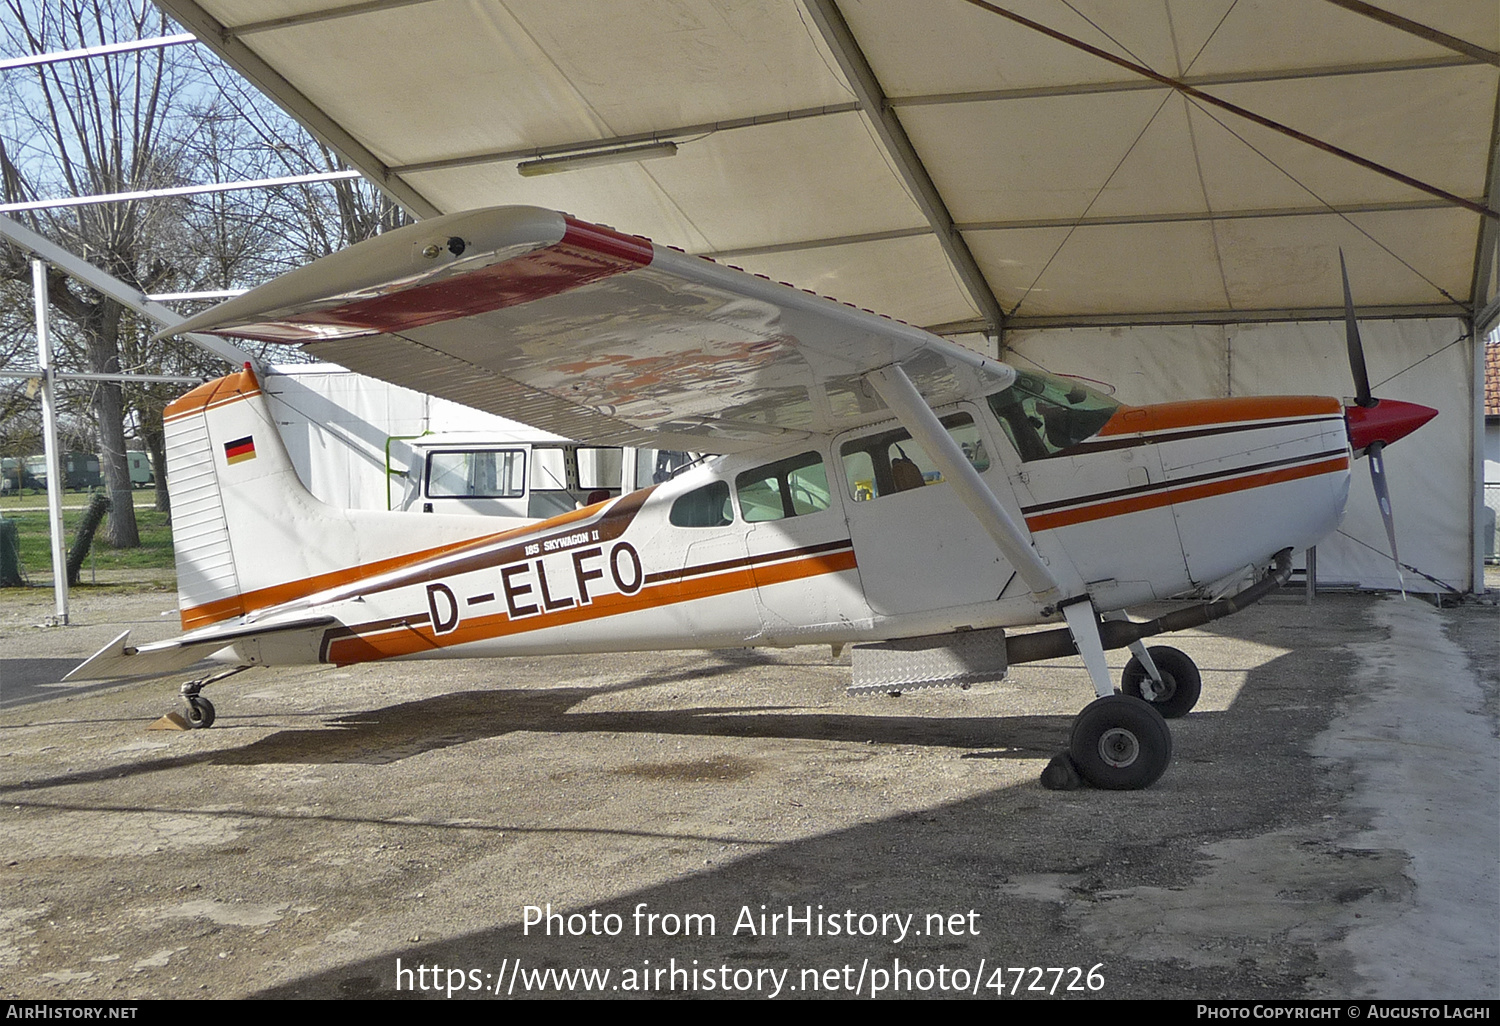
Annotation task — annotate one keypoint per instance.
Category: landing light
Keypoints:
(597, 158)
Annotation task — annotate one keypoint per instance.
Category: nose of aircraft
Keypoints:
(1385, 421)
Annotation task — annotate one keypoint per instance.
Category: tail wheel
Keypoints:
(1121, 743)
(1180, 684)
(200, 712)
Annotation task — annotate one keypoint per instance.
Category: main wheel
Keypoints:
(1120, 743)
(1180, 684)
(200, 712)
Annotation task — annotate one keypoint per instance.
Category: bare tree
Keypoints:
(146, 120)
(310, 220)
(104, 125)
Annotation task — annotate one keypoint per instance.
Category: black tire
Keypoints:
(1120, 743)
(200, 712)
(1181, 682)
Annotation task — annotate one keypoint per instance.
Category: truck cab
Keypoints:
(523, 477)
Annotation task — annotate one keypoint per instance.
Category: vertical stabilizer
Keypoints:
(206, 574)
(243, 524)
(247, 532)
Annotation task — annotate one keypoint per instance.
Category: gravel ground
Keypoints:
(1328, 827)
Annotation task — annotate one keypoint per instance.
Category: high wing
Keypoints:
(595, 335)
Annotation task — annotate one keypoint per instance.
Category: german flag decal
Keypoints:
(239, 450)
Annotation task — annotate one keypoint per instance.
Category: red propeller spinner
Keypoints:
(1384, 421)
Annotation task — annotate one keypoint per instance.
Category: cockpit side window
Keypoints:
(1044, 415)
(891, 462)
(476, 474)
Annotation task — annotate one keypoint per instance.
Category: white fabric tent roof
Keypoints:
(931, 159)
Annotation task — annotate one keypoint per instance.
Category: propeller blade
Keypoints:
(1383, 496)
(1356, 347)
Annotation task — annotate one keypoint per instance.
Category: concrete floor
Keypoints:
(1329, 826)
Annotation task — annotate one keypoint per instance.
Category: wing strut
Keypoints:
(917, 417)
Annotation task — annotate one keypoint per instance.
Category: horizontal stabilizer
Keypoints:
(120, 659)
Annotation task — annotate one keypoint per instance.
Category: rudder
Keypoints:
(236, 500)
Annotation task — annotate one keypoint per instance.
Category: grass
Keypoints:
(154, 553)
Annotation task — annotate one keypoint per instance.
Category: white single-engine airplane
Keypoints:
(879, 487)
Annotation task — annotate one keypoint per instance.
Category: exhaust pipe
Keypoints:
(1028, 648)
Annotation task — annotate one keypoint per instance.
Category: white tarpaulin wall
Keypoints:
(961, 170)
(1431, 472)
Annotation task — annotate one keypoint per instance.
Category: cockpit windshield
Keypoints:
(1043, 414)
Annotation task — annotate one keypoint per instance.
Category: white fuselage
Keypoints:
(816, 544)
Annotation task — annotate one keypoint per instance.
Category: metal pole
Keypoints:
(49, 435)
(181, 190)
(96, 279)
(96, 51)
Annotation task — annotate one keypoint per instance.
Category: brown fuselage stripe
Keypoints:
(1132, 420)
(1167, 496)
(701, 570)
(1101, 444)
(1181, 482)
(744, 561)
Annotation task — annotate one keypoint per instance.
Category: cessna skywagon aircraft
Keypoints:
(879, 487)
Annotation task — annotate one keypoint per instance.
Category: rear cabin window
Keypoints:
(787, 488)
(891, 462)
(708, 506)
(1044, 415)
(476, 474)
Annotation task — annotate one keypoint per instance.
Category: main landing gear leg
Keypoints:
(1083, 623)
(200, 711)
(1119, 742)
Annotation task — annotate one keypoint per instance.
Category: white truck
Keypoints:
(518, 476)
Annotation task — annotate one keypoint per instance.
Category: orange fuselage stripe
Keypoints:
(275, 594)
(1130, 420)
(409, 639)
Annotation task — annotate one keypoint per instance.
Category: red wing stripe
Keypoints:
(586, 253)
